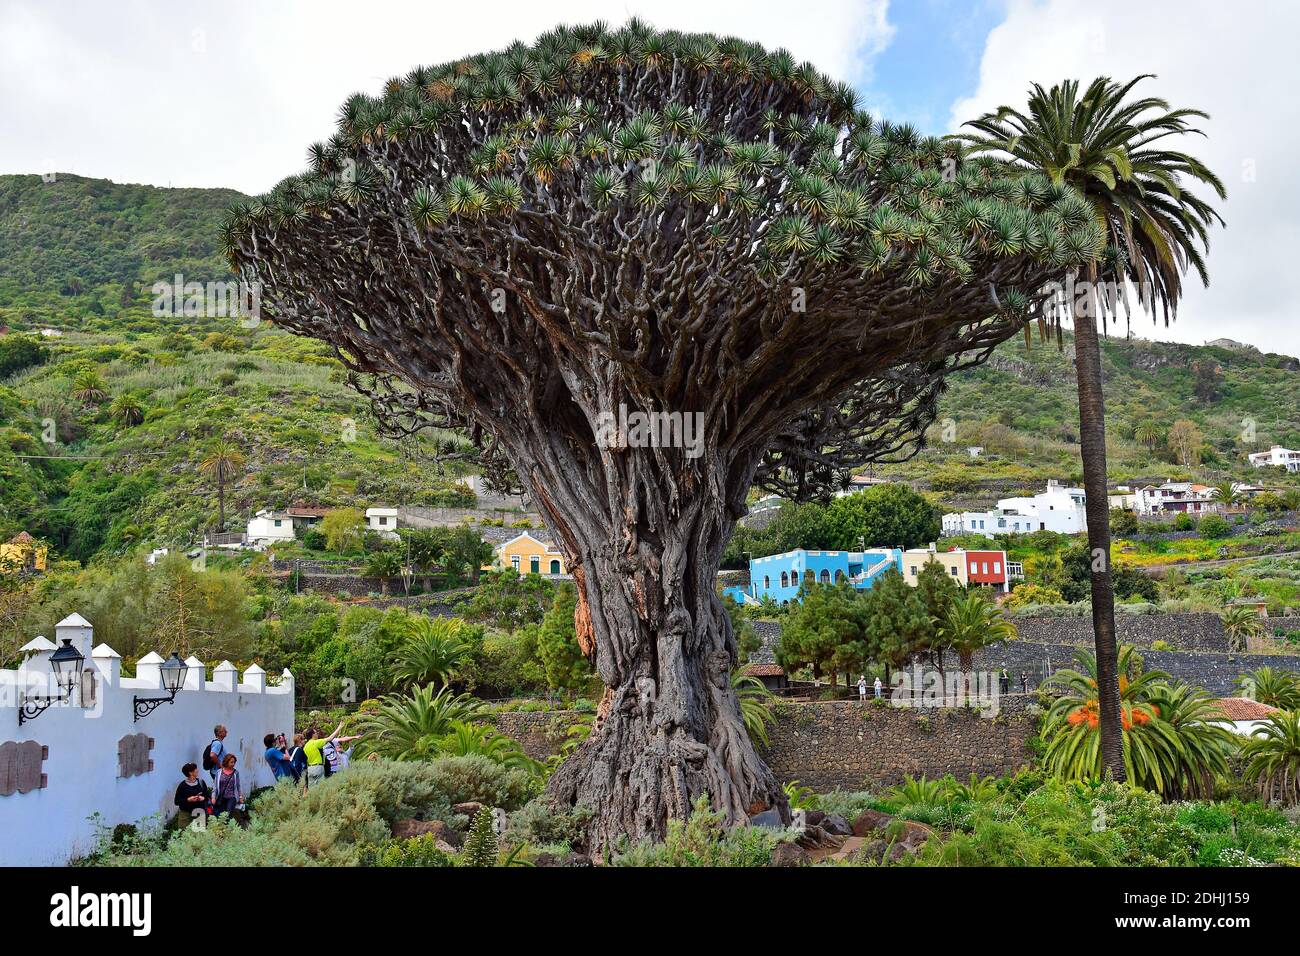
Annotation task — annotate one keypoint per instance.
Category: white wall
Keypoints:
(46, 827)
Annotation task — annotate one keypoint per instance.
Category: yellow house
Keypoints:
(22, 553)
(527, 555)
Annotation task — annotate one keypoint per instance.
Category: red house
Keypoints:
(987, 569)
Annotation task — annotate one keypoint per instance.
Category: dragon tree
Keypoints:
(524, 244)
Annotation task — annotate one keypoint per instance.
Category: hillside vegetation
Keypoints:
(104, 427)
(116, 414)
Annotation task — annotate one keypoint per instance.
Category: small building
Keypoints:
(1057, 508)
(1166, 498)
(23, 553)
(779, 576)
(268, 527)
(968, 568)
(529, 555)
(1257, 604)
(1242, 715)
(859, 483)
(305, 517)
(771, 676)
(382, 520)
(1276, 457)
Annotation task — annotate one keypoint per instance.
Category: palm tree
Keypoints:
(1277, 688)
(972, 622)
(410, 726)
(1226, 493)
(222, 463)
(434, 651)
(1200, 745)
(126, 410)
(755, 704)
(384, 565)
(1109, 148)
(466, 739)
(88, 387)
(1241, 623)
(1149, 433)
(1175, 742)
(1273, 757)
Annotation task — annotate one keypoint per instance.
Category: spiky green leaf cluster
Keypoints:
(543, 127)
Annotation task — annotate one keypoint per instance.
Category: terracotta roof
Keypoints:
(305, 512)
(1243, 708)
(22, 537)
(763, 670)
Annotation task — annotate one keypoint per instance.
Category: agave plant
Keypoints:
(1273, 757)
(412, 726)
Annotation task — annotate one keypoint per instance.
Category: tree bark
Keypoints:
(669, 729)
(1092, 441)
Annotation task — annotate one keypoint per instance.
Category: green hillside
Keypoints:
(1021, 409)
(80, 256)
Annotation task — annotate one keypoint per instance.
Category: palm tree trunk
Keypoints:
(221, 502)
(1092, 440)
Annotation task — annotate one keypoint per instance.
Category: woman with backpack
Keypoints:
(229, 791)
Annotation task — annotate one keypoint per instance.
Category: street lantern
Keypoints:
(173, 672)
(66, 663)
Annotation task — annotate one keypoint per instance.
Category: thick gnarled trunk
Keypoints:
(669, 728)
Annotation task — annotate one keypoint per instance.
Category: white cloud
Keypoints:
(1238, 64)
(231, 94)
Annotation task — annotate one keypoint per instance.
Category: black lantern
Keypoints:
(66, 663)
(173, 672)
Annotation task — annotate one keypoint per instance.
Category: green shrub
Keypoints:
(539, 824)
(417, 851)
(1213, 527)
(702, 840)
(478, 779)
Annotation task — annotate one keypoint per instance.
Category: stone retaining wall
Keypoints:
(1217, 673)
(1183, 632)
(849, 745)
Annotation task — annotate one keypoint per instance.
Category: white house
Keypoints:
(1242, 715)
(383, 520)
(1057, 509)
(856, 483)
(1185, 496)
(77, 738)
(1278, 457)
(267, 527)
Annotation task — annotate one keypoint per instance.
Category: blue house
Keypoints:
(778, 576)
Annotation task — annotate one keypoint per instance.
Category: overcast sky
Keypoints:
(231, 93)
